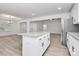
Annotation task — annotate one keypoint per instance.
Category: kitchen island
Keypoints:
(35, 44)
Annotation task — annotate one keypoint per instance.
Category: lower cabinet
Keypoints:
(46, 41)
(73, 45)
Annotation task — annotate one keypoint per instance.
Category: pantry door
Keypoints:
(34, 27)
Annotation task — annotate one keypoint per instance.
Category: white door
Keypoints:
(33, 27)
(23, 27)
(44, 27)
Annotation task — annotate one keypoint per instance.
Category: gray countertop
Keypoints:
(33, 34)
(74, 34)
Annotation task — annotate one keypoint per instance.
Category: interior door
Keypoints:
(33, 27)
(23, 27)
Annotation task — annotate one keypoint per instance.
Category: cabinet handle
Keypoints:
(39, 39)
(48, 38)
(42, 44)
(73, 49)
(74, 19)
(67, 39)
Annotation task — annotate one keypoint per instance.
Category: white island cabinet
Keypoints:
(35, 44)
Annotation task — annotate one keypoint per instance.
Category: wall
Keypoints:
(53, 26)
(39, 27)
(13, 28)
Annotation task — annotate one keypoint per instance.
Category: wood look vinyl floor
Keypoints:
(10, 45)
(56, 48)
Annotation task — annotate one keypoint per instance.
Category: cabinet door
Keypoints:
(70, 43)
(46, 40)
(76, 52)
(30, 47)
(76, 43)
(75, 48)
(74, 13)
(41, 45)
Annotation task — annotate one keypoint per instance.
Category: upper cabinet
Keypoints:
(75, 13)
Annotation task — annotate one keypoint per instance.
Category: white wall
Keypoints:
(8, 27)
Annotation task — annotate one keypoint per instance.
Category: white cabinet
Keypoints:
(69, 43)
(35, 46)
(75, 13)
(73, 45)
(46, 42)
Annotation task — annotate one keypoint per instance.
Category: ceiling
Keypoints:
(29, 10)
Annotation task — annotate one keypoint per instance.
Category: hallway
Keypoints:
(56, 48)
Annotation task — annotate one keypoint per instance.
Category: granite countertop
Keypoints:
(33, 34)
(74, 34)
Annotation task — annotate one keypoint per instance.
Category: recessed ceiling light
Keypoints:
(59, 8)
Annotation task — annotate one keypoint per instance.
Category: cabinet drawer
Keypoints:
(76, 52)
(76, 43)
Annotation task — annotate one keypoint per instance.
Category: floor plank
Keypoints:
(56, 48)
(11, 45)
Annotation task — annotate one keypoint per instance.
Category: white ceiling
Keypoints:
(25, 10)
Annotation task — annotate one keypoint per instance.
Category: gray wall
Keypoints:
(68, 27)
(53, 26)
(39, 26)
(23, 27)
